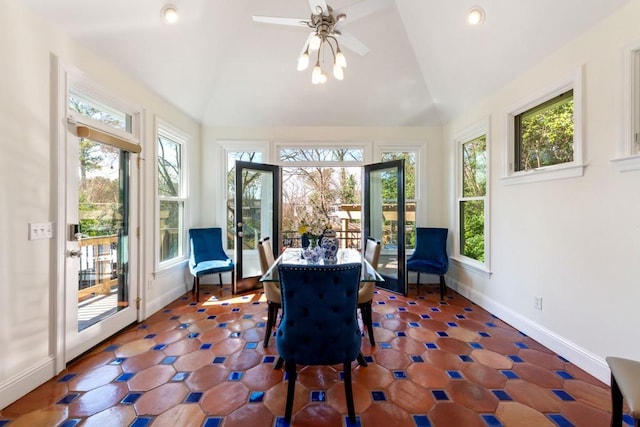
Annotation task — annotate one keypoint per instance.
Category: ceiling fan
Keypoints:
(327, 34)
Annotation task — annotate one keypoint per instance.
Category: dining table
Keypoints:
(344, 256)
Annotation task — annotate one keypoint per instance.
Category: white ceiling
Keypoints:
(425, 64)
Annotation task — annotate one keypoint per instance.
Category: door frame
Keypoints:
(276, 201)
(63, 128)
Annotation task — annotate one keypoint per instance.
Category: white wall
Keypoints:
(575, 242)
(28, 191)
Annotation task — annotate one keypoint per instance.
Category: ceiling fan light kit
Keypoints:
(323, 23)
(326, 29)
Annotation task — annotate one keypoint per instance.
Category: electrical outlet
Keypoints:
(40, 230)
(538, 303)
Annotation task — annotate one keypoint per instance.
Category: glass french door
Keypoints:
(99, 298)
(257, 215)
(384, 220)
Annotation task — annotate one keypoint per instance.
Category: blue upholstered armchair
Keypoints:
(207, 256)
(319, 325)
(430, 255)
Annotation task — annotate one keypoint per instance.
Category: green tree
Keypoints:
(474, 186)
(546, 136)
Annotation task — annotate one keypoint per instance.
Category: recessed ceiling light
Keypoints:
(475, 15)
(170, 14)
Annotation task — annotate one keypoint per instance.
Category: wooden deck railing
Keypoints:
(98, 268)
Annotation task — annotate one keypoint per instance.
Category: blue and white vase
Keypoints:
(330, 245)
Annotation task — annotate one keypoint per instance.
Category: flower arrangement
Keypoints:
(311, 229)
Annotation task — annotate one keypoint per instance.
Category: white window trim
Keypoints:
(470, 133)
(415, 147)
(164, 128)
(259, 146)
(565, 170)
(84, 83)
(628, 157)
(262, 146)
(327, 145)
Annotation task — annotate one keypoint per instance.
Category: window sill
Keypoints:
(625, 164)
(474, 266)
(164, 269)
(544, 174)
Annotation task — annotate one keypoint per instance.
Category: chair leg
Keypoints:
(220, 277)
(367, 319)
(348, 392)
(361, 360)
(279, 363)
(443, 288)
(616, 404)
(418, 284)
(272, 315)
(290, 368)
(196, 287)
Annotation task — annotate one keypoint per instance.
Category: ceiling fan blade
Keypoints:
(315, 4)
(350, 42)
(363, 9)
(294, 22)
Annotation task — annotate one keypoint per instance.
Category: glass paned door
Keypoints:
(384, 220)
(257, 214)
(98, 247)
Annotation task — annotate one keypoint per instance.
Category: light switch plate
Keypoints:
(40, 230)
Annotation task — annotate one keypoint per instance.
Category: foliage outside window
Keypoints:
(544, 134)
(390, 187)
(171, 195)
(472, 202)
(232, 156)
(99, 196)
(323, 188)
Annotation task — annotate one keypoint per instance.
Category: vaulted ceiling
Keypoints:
(425, 63)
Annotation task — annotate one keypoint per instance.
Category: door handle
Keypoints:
(74, 253)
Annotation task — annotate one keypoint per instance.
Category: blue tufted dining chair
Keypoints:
(430, 255)
(319, 325)
(207, 256)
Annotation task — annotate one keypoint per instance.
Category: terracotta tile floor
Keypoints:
(204, 364)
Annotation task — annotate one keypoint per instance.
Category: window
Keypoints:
(544, 134)
(321, 186)
(545, 137)
(90, 106)
(171, 193)
(472, 189)
(629, 151)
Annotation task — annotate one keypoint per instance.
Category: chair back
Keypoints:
(206, 245)
(319, 325)
(265, 250)
(372, 252)
(271, 289)
(431, 244)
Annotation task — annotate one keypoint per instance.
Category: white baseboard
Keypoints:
(575, 354)
(165, 299)
(18, 385)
